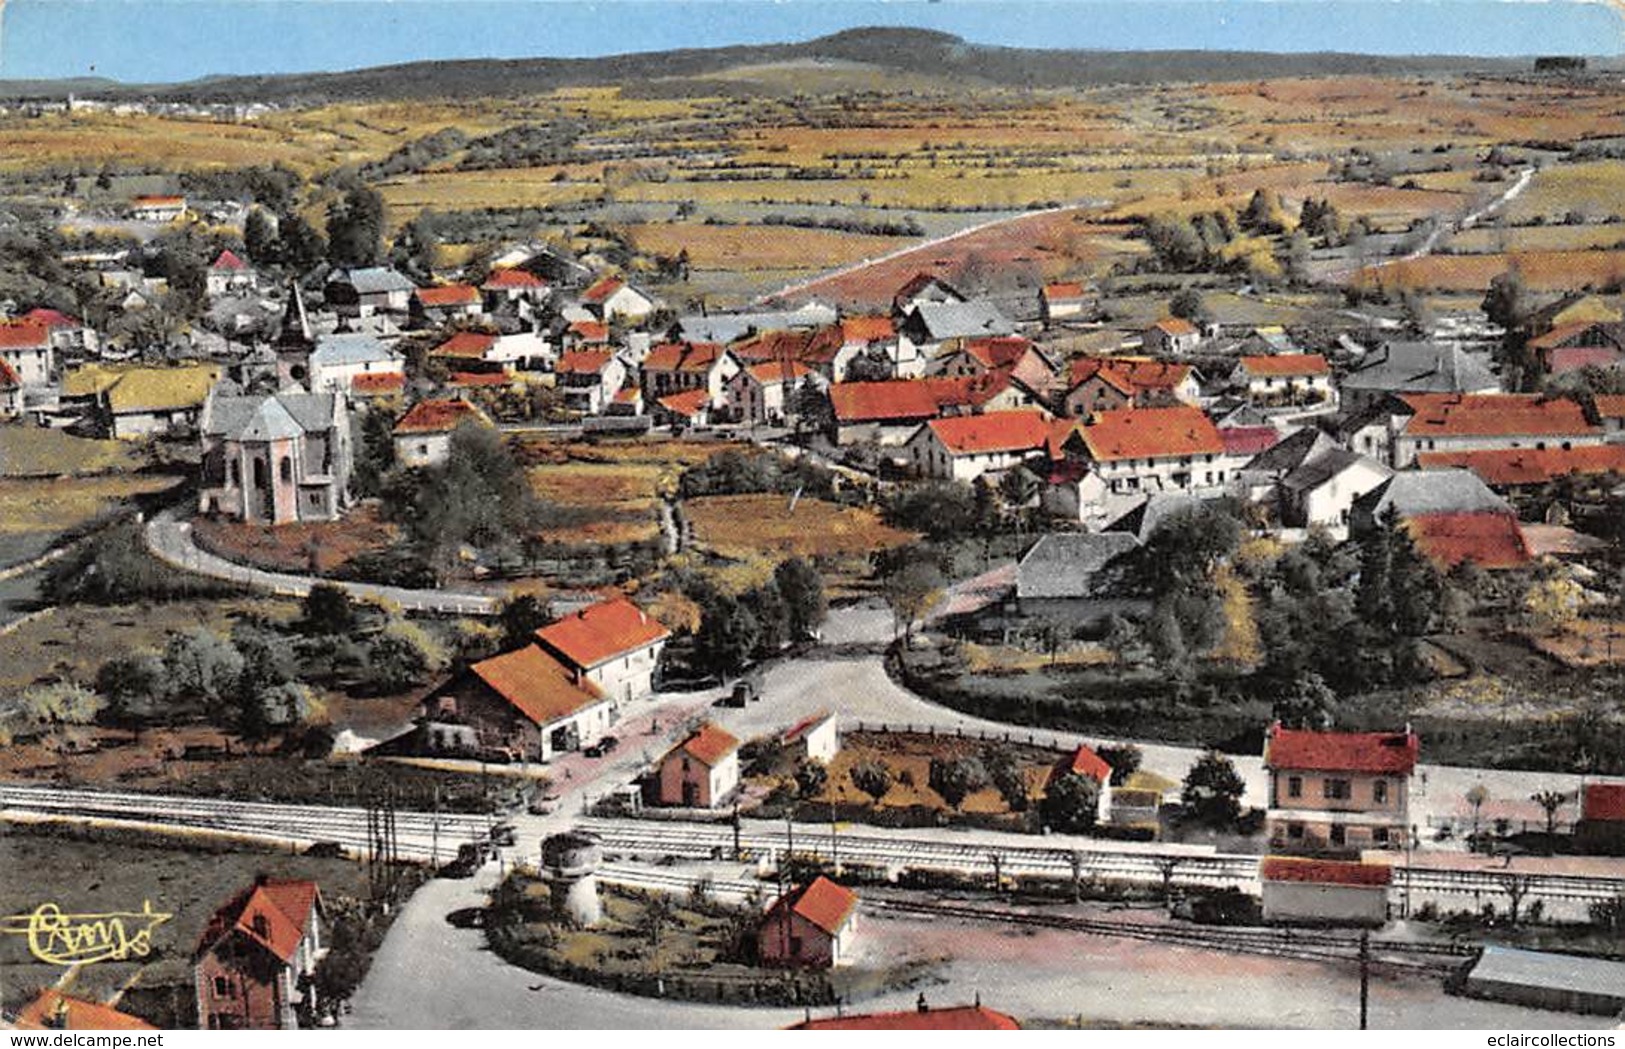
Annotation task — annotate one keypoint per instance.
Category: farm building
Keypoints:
(1061, 301)
(809, 927)
(1415, 367)
(253, 961)
(133, 401)
(700, 771)
(1085, 762)
(1548, 981)
(814, 738)
(1303, 891)
(1172, 336)
(525, 704)
(446, 303)
(363, 292)
(1069, 577)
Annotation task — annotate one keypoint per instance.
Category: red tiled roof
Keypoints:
(778, 371)
(602, 632)
(689, 403)
(227, 260)
(1610, 406)
(583, 362)
(377, 383)
(602, 289)
(1324, 872)
(439, 416)
(1065, 290)
(590, 331)
(1012, 431)
(8, 377)
(867, 329)
(1494, 414)
(1176, 326)
(504, 279)
(1561, 334)
(479, 379)
(1604, 801)
(826, 905)
(1489, 539)
(536, 684)
(709, 745)
(1249, 440)
(49, 317)
(1085, 762)
(953, 1018)
(805, 725)
(471, 344)
(1280, 364)
(54, 1010)
(1511, 467)
(905, 400)
(682, 357)
(1000, 351)
(1391, 753)
(153, 198)
(23, 335)
(1129, 374)
(1148, 433)
(448, 295)
(285, 907)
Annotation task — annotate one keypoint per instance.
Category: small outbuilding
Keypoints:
(1543, 980)
(809, 927)
(701, 770)
(1302, 891)
(814, 738)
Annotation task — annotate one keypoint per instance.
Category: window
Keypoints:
(1294, 831)
(223, 988)
(1379, 792)
(795, 946)
(1339, 834)
(1380, 835)
(1335, 789)
(286, 469)
(262, 927)
(1294, 786)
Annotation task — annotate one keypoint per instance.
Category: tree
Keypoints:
(327, 609)
(478, 496)
(1175, 243)
(302, 247)
(1264, 213)
(355, 228)
(1308, 704)
(1070, 803)
(1007, 777)
(403, 655)
(202, 666)
(62, 703)
(1550, 801)
(133, 683)
(801, 586)
(910, 591)
(1506, 302)
(1477, 795)
(658, 914)
(811, 775)
(1212, 790)
(873, 777)
(374, 453)
(1166, 637)
(1123, 639)
(260, 239)
(728, 635)
(1189, 304)
(520, 616)
(957, 778)
(1124, 759)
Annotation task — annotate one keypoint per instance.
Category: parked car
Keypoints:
(545, 804)
(602, 747)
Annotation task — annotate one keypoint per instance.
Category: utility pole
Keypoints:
(1365, 976)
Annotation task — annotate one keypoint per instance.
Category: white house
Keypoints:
(423, 434)
(1483, 422)
(228, 274)
(1149, 450)
(813, 738)
(27, 349)
(614, 644)
(1171, 336)
(963, 448)
(340, 357)
(589, 379)
(1302, 891)
(764, 393)
(1285, 380)
(611, 298)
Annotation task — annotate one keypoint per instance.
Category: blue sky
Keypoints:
(169, 40)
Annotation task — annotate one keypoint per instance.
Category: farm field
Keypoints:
(1593, 189)
(58, 505)
(1547, 271)
(753, 248)
(606, 491)
(33, 451)
(1499, 240)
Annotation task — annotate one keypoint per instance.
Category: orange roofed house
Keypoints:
(964, 447)
(1171, 336)
(1338, 791)
(253, 963)
(921, 1018)
(700, 771)
(446, 302)
(1132, 451)
(1435, 422)
(809, 927)
(423, 434)
(52, 1010)
(1602, 819)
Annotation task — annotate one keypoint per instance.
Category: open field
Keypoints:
(1548, 271)
(607, 490)
(33, 451)
(1499, 240)
(1594, 189)
(909, 759)
(33, 506)
(745, 526)
(321, 546)
(105, 871)
(760, 247)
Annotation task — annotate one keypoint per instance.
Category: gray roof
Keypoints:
(1069, 564)
(350, 348)
(1422, 367)
(1292, 452)
(374, 280)
(726, 327)
(1562, 972)
(271, 417)
(1414, 492)
(1142, 521)
(1321, 468)
(962, 320)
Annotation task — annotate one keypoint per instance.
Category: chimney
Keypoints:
(920, 1005)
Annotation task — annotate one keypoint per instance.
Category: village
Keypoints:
(794, 659)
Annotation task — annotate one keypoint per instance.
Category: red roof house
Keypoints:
(1490, 539)
(439, 416)
(606, 631)
(1602, 819)
(253, 956)
(227, 260)
(1385, 753)
(447, 296)
(922, 1018)
(1150, 433)
(465, 345)
(1604, 801)
(52, 1010)
(1524, 467)
(1305, 891)
(700, 771)
(809, 927)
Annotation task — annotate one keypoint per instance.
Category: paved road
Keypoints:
(171, 540)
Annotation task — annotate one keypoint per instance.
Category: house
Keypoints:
(1610, 410)
(963, 448)
(809, 927)
(584, 334)
(11, 392)
(612, 299)
(923, 331)
(369, 290)
(446, 304)
(923, 288)
(1573, 308)
(423, 435)
(1086, 763)
(1415, 367)
(525, 704)
(1104, 383)
(701, 771)
(1601, 829)
(51, 1010)
(1074, 578)
(1062, 301)
(588, 380)
(376, 387)
(512, 284)
(1431, 422)
(891, 412)
(673, 367)
(228, 274)
(1578, 345)
(921, 1018)
(1512, 469)
(1311, 480)
(277, 458)
(765, 392)
(687, 409)
(340, 357)
(135, 401)
(727, 328)
(1489, 539)
(1013, 353)
(814, 738)
(157, 208)
(1298, 890)
(1148, 450)
(869, 341)
(1171, 337)
(1451, 514)
(1547, 980)
(612, 644)
(67, 333)
(26, 347)
(464, 348)
(627, 402)
(252, 966)
(1338, 791)
(1285, 380)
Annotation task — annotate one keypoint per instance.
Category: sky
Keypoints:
(155, 41)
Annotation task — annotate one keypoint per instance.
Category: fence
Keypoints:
(1030, 738)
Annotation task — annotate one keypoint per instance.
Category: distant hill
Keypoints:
(940, 56)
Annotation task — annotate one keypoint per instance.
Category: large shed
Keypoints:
(1543, 980)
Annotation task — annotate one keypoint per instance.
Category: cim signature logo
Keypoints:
(80, 939)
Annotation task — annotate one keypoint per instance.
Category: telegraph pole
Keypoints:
(1365, 976)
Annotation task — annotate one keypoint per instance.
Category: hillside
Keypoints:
(911, 51)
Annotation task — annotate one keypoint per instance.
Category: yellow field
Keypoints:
(1539, 238)
(625, 486)
(27, 451)
(760, 247)
(40, 506)
(743, 526)
(1542, 270)
(1595, 188)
